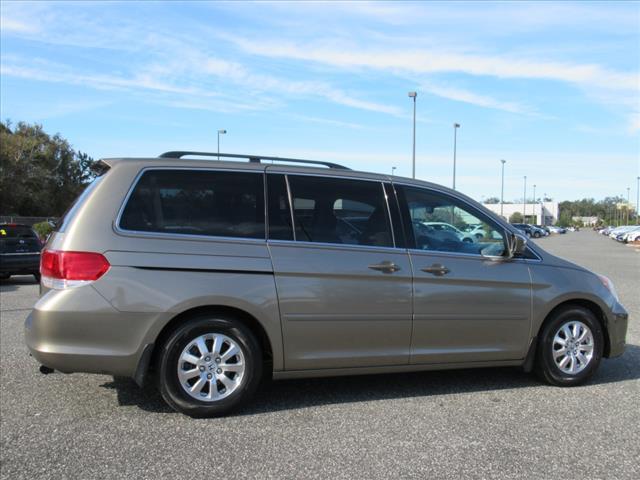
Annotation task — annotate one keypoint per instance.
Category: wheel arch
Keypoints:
(589, 305)
(251, 322)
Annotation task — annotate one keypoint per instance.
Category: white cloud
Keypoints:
(466, 96)
(429, 62)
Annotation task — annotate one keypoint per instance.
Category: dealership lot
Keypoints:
(489, 423)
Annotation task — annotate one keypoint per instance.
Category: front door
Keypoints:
(470, 304)
(344, 290)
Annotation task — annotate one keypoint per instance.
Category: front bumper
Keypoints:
(617, 322)
(77, 330)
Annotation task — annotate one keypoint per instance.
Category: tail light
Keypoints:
(60, 269)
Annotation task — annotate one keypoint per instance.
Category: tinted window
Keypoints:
(332, 210)
(279, 213)
(442, 223)
(226, 204)
(16, 231)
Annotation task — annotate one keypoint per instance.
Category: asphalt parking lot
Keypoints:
(489, 423)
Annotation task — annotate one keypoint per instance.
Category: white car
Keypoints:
(631, 235)
(450, 229)
(634, 236)
(620, 230)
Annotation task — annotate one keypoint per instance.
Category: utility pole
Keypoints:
(524, 201)
(456, 126)
(502, 190)
(220, 132)
(414, 95)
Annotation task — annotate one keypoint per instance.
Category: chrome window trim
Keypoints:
(388, 210)
(186, 236)
(467, 255)
(290, 200)
(339, 246)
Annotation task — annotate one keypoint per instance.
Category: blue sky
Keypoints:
(553, 88)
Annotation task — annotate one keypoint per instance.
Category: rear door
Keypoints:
(344, 288)
(468, 306)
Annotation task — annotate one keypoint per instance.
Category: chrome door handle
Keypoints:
(436, 269)
(385, 267)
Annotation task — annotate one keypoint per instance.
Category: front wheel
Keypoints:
(209, 366)
(570, 347)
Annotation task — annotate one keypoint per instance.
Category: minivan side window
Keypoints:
(341, 211)
(442, 223)
(197, 202)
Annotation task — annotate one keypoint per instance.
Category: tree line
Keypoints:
(40, 174)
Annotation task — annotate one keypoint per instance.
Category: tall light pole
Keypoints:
(393, 170)
(502, 190)
(524, 201)
(534, 202)
(638, 200)
(628, 188)
(220, 132)
(456, 126)
(414, 95)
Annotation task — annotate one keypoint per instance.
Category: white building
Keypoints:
(542, 213)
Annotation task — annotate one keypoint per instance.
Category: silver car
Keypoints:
(209, 276)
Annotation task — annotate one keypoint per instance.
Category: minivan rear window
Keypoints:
(197, 202)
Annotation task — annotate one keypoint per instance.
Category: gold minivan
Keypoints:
(210, 275)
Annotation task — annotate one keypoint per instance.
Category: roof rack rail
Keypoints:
(253, 158)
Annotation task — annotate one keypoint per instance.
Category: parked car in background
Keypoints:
(620, 230)
(445, 230)
(19, 251)
(544, 228)
(633, 236)
(557, 229)
(530, 230)
(624, 237)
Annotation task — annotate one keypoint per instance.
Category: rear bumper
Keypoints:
(79, 331)
(16, 263)
(617, 322)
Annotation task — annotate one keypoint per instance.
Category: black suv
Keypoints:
(19, 251)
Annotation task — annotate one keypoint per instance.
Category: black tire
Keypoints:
(4, 276)
(36, 275)
(536, 235)
(169, 384)
(546, 367)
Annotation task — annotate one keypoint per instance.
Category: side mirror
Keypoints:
(516, 244)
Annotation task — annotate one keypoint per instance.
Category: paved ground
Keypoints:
(491, 423)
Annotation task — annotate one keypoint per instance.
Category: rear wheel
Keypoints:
(36, 275)
(570, 347)
(209, 366)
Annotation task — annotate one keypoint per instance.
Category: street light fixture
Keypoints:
(502, 190)
(414, 95)
(628, 189)
(638, 200)
(534, 203)
(456, 126)
(524, 201)
(393, 170)
(220, 132)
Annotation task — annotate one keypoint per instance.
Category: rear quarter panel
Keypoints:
(169, 274)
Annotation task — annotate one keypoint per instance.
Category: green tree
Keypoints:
(40, 175)
(516, 217)
(492, 200)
